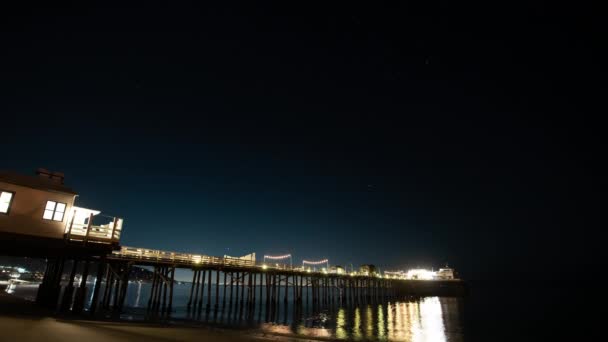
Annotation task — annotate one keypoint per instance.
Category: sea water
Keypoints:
(414, 319)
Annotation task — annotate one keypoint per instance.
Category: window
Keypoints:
(6, 198)
(54, 211)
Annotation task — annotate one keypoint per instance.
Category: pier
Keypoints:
(77, 245)
(225, 282)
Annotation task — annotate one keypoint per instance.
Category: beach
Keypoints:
(21, 320)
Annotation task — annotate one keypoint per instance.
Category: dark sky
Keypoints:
(400, 135)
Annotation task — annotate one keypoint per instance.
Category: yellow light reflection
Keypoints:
(413, 321)
(404, 321)
(369, 326)
(391, 321)
(381, 332)
(340, 323)
(357, 326)
(431, 321)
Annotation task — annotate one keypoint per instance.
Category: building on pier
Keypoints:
(336, 269)
(39, 211)
(446, 273)
(367, 270)
(249, 258)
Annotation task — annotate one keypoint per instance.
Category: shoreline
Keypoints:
(23, 320)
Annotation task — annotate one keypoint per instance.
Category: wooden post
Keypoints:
(125, 284)
(248, 300)
(242, 286)
(116, 293)
(278, 294)
(224, 293)
(295, 288)
(165, 274)
(306, 278)
(351, 295)
(86, 236)
(153, 292)
(66, 300)
(356, 287)
(161, 286)
(325, 292)
(301, 286)
(314, 291)
(318, 288)
(113, 228)
(255, 276)
(100, 270)
(171, 289)
(346, 292)
(197, 285)
(71, 224)
(209, 291)
(363, 290)
(43, 288)
(260, 295)
(332, 290)
(236, 302)
(267, 291)
(301, 281)
(231, 286)
(55, 284)
(326, 289)
(267, 295)
(202, 283)
(107, 291)
(274, 289)
(81, 291)
(286, 287)
(251, 289)
(217, 288)
(194, 274)
(322, 289)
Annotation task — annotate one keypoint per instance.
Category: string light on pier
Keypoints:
(278, 257)
(315, 263)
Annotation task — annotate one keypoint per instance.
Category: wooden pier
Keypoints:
(40, 220)
(224, 282)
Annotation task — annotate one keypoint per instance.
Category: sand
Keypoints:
(23, 321)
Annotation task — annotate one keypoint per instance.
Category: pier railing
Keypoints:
(108, 232)
(189, 259)
(154, 256)
(179, 258)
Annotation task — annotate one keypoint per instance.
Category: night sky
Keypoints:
(400, 135)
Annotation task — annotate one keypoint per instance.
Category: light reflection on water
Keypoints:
(341, 324)
(381, 326)
(419, 320)
(423, 319)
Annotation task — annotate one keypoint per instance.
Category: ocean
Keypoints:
(414, 319)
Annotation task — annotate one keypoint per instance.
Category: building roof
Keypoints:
(34, 182)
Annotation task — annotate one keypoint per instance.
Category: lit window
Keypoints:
(6, 198)
(54, 211)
